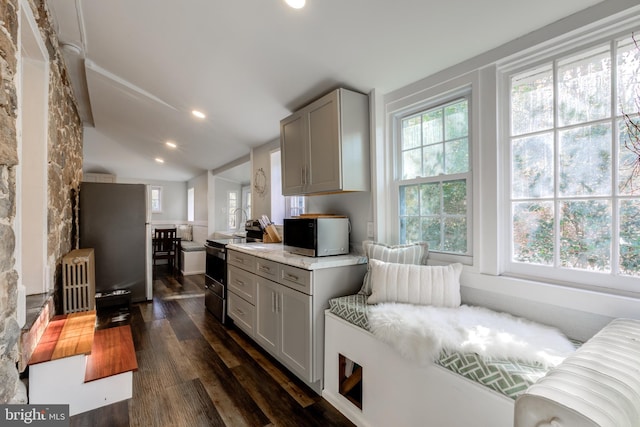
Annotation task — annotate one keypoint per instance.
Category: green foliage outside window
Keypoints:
(585, 214)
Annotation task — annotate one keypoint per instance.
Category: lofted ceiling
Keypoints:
(140, 67)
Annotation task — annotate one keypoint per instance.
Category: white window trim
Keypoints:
(576, 41)
(191, 204)
(465, 85)
(159, 188)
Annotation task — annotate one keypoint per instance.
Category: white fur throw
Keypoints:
(420, 333)
(415, 284)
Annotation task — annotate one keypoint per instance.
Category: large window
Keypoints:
(435, 177)
(574, 207)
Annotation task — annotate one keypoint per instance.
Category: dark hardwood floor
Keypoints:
(193, 371)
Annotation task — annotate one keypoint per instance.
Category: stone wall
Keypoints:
(64, 175)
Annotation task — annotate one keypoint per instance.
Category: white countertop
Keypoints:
(275, 252)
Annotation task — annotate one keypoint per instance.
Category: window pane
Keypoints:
(584, 87)
(455, 235)
(433, 160)
(409, 200)
(533, 232)
(411, 136)
(585, 235)
(532, 101)
(456, 119)
(628, 76)
(457, 156)
(431, 233)
(430, 199)
(410, 229)
(411, 163)
(585, 161)
(532, 166)
(432, 126)
(629, 156)
(454, 195)
(630, 237)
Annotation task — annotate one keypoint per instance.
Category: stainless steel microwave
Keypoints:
(316, 237)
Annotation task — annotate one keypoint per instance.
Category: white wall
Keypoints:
(174, 199)
(200, 185)
(261, 158)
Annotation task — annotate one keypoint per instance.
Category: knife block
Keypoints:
(271, 235)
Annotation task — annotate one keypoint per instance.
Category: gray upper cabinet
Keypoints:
(325, 145)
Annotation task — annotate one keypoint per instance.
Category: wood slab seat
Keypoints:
(76, 365)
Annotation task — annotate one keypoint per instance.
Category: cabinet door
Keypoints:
(267, 325)
(324, 158)
(295, 324)
(292, 149)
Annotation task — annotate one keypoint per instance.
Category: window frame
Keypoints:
(191, 204)
(438, 96)
(556, 274)
(232, 217)
(159, 189)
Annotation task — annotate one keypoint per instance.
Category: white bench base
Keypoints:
(397, 392)
(61, 381)
(192, 262)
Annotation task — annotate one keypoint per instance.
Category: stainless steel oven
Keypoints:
(215, 278)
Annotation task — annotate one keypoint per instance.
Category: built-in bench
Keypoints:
(192, 258)
(76, 365)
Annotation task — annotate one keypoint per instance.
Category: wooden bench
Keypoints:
(75, 364)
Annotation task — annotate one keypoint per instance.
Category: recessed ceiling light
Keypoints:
(296, 4)
(159, 160)
(171, 144)
(198, 114)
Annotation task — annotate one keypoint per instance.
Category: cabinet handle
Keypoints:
(293, 277)
(240, 283)
(240, 312)
(273, 303)
(277, 303)
(264, 268)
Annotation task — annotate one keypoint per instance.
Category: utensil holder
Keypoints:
(271, 234)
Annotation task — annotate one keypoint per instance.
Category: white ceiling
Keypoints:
(145, 64)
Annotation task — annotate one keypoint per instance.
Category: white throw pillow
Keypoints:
(185, 232)
(415, 284)
(410, 253)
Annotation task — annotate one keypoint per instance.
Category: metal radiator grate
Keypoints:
(78, 281)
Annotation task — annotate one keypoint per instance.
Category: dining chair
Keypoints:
(165, 246)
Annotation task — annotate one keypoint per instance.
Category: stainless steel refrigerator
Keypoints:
(114, 220)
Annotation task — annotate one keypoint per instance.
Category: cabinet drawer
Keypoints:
(242, 283)
(244, 261)
(242, 313)
(267, 269)
(296, 278)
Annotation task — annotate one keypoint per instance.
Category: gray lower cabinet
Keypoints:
(281, 307)
(283, 325)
